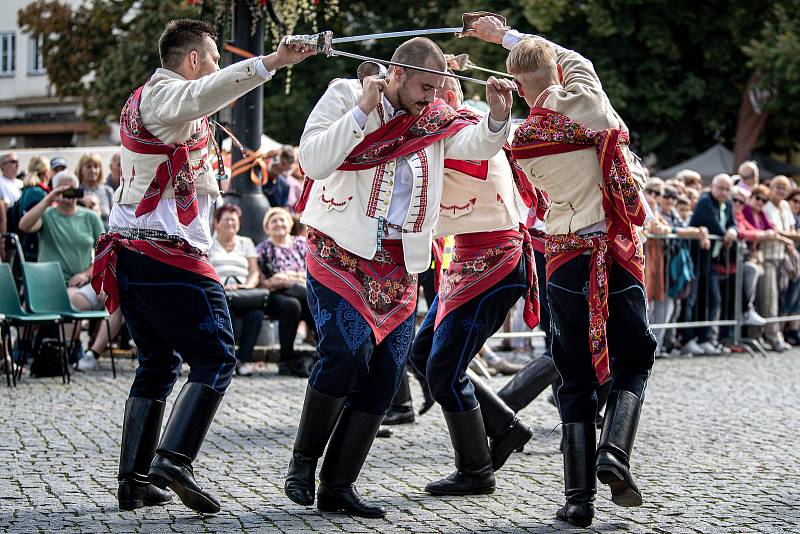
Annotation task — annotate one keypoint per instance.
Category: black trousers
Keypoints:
(631, 344)
(174, 315)
(544, 303)
(247, 334)
(290, 306)
(350, 363)
(444, 354)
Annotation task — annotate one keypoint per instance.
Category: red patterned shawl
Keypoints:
(547, 132)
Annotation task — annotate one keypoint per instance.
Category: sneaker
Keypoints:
(244, 369)
(693, 348)
(88, 362)
(709, 348)
(752, 318)
(779, 345)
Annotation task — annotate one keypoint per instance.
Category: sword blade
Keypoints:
(390, 35)
(384, 62)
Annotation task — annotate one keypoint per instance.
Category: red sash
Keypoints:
(547, 132)
(381, 289)
(479, 262)
(403, 135)
(104, 270)
(176, 170)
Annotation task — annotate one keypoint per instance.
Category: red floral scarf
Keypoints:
(547, 132)
(179, 254)
(381, 289)
(176, 169)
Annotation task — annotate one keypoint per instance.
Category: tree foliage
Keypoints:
(674, 69)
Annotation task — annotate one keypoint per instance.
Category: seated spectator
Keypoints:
(693, 195)
(282, 258)
(10, 185)
(277, 186)
(714, 211)
(67, 235)
(90, 174)
(792, 305)
(234, 258)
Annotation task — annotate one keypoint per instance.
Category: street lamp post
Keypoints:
(247, 119)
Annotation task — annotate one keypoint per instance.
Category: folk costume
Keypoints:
(574, 146)
(153, 265)
(484, 205)
(372, 185)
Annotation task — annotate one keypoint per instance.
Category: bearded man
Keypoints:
(373, 156)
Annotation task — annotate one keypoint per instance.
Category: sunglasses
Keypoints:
(794, 199)
(761, 198)
(12, 161)
(652, 192)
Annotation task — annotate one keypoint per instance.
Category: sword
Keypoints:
(390, 35)
(462, 62)
(323, 41)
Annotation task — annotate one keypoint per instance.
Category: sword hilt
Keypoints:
(320, 41)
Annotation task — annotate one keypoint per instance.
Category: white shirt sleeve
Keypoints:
(262, 71)
(247, 247)
(360, 117)
(512, 37)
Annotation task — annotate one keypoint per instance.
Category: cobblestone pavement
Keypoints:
(716, 452)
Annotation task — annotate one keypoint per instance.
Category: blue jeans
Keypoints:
(174, 315)
(631, 344)
(350, 363)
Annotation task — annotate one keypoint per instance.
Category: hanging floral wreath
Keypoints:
(280, 18)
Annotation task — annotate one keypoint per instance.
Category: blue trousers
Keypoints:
(350, 363)
(174, 315)
(631, 344)
(443, 354)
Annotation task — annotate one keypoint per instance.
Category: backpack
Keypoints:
(47, 360)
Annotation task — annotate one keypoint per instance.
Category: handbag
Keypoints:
(247, 299)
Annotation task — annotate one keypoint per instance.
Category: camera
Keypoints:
(73, 192)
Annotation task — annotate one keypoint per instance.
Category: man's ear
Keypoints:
(193, 57)
(450, 98)
(560, 72)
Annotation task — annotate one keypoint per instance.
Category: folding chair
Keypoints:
(14, 315)
(45, 292)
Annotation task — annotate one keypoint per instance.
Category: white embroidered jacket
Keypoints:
(479, 196)
(172, 108)
(573, 180)
(346, 205)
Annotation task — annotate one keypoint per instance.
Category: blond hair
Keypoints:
(283, 212)
(780, 179)
(529, 55)
(90, 158)
(38, 169)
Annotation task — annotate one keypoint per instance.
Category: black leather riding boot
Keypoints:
(579, 479)
(349, 446)
(474, 475)
(528, 383)
(320, 413)
(140, 429)
(186, 430)
(505, 431)
(615, 446)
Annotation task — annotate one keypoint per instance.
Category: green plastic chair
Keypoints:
(46, 292)
(25, 322)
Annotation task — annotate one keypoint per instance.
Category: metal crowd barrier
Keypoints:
(697, 313)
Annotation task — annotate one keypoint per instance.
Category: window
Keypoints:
(35, 60)
(8, 53)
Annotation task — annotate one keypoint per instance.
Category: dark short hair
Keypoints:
(227, 208)
(287, 154)
(181, 37)
(420, 52)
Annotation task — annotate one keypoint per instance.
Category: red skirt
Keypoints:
(381, 289)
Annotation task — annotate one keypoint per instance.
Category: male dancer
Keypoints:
(373, 156)
(595, 265)
(490, 270)
(152, 263)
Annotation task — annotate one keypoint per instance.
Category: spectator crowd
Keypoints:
(695, 242)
